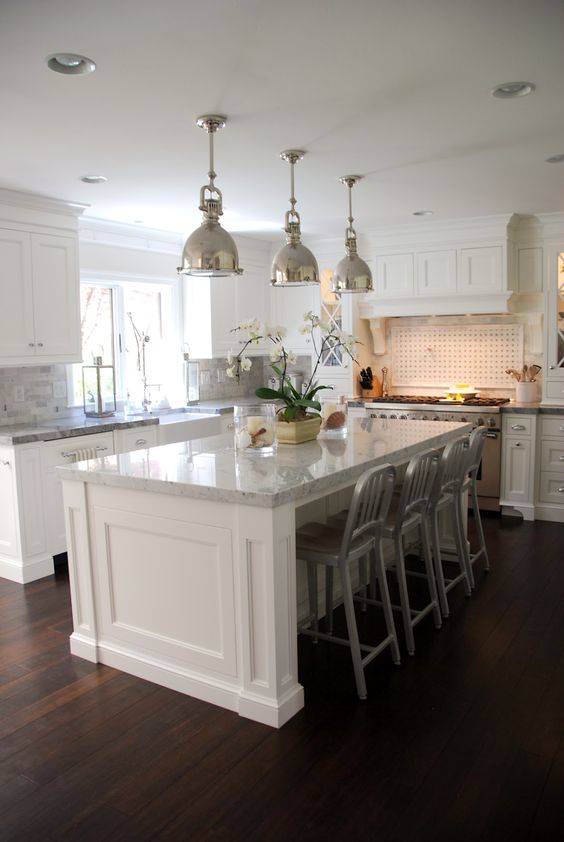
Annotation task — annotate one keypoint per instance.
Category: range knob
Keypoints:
(436, 418)
(463, 419)
(404, 417)
(393, 415)
(480, 422)
(491, 422)
(383, 415)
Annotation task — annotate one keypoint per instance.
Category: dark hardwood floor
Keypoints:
(465, 741)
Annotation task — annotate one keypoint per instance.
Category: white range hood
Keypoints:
(375, 307)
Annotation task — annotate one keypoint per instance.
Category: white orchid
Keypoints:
(277, 353)
(230, 357)
(303, 329)
(246, 364)
(291, 358)
(231, 372)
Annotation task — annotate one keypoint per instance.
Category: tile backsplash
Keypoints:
(215, 385)
(34, 393)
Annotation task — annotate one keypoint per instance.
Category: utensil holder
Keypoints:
(526, 392)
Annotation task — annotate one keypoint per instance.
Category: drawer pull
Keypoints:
(562, 429)
(6, 463)
(561, 458)
(140, 442)
(517, 444)
(518, 427)
(561, 490)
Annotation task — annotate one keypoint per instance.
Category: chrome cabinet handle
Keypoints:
(562, 429)
(518, 427)
(6, 463)
(517, 444)
(561, 458)
(31, 344)
(552, 367)
(231, 426)
(561, 490)
(40, 344)
(141, 441)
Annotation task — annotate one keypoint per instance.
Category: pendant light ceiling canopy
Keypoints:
(210, 250)
(352, 274)
(294, 264)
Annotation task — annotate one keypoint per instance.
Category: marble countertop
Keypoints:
(211, 470)
(63, 428)
(512, 406)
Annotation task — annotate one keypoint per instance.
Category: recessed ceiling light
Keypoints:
(93, 179)
(555, 159)
(423, 213)
(510, 90)
(70, 63)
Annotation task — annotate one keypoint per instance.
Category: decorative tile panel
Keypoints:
(477, 354)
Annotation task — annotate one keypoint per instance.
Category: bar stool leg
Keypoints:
(462, 551)
(353, 632)
(458, 512)
(379, 575)
(437, 560)
(426, 545)
(478, 522)
(404, 595)
(329, 600)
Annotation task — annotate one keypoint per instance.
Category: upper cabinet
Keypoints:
(39, 281)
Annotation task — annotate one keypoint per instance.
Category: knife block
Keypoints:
(375, 391)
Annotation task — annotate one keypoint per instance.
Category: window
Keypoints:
(131, 326)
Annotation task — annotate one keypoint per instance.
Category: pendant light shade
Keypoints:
(294, 264)
(352, 274)
(210, 250)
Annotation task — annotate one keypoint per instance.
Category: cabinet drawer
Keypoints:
(552, 456)
(61, 452)
(551, 488)
(135, 438)
(517, 425)
(553, 427)
(555, 389)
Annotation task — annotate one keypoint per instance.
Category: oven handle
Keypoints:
(492, 435)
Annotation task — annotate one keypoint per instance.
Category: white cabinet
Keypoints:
(395, 275)
(436, 272)
(481, 270)
(518, 463)
(135, 438)
(39, 283)
(550, 503)
(64, 452)
(24, 555)
(287, 308)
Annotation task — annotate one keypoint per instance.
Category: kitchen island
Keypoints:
(182, 559)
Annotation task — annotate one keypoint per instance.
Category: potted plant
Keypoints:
(298, 417)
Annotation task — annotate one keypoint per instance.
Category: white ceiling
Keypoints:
(397, 90)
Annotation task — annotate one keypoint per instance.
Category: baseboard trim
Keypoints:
(26, 571)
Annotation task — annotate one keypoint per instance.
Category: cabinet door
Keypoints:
(56, 307)
(395, 275)
(61, 453)
(8, 509)
(481, 269)
(436, 272)
(17, 337)
(516, 471)
(31, 510)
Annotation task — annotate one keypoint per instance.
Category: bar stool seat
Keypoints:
(337, 546)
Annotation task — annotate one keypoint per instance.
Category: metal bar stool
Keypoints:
(338, 546)
(448, 496)
(409, 512)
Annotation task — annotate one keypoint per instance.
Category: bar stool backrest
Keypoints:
(452, 468)
(369, 506)
(476, 444)
(418, 484)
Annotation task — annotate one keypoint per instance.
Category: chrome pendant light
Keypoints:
(352, 274)
(294, 265)
(210, 250)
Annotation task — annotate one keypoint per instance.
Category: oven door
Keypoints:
(489, 474)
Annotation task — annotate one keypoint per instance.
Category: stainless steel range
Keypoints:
(480, 412)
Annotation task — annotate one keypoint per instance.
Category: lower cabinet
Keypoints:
(550, 502)
(65, 452)
(518, 464)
